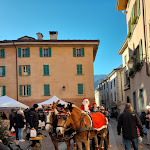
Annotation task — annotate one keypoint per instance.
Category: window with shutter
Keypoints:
(2, 53)
(45, 52)
(46, 90)
(80, 89)
(46, 70)
(79, 69)
(20, 90)
(4, 90)
(78, 52)
(1, 90)
(20, 70)
(19, 52)
(3, 71)
(25, 90)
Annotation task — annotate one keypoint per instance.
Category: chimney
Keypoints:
(39, 36)
(53, 35)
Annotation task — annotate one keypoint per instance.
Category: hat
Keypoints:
(102, 108)
(94, 103)
(35, 106)
(84, 99)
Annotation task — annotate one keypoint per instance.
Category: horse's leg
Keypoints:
(68, 145)
(55, 143)
(96, 142)
(87, 144)
(79, 145)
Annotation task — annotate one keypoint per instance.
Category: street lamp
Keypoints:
(130, 63)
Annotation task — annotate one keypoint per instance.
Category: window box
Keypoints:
(129, 34)
(134, 20)
(131, 73)
(138, 66)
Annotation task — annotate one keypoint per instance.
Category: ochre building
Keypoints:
(34, 70)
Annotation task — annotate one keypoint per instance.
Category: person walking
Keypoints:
(12, 119)
(34, 120)
(142, 118)
(20, 124)
(129, 121)
(147, 121)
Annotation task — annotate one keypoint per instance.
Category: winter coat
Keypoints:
(12, 118)
(20, 121)
(128, 121)
(33, 118)
(142, 118)
(147, 121)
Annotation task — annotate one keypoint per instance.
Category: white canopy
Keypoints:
(9, 103)
(51, 100)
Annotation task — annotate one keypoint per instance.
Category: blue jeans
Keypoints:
(128, 143)
(20, 133)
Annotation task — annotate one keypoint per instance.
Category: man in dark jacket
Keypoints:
(128, 122)
(12, 118)
(33, 117)
(34, 120)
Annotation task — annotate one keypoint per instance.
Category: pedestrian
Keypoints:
(147, 121)
(129, 121)
(12, 118)
(20, 124)
(142, 118)
(41, 116)
(34, 120)
(26, 114)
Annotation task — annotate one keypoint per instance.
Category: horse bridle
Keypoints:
(47, 111)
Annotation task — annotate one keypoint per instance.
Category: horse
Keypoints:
(82, 124)
(51, 122)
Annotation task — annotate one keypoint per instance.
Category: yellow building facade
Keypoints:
(135, 51)
(32, 71)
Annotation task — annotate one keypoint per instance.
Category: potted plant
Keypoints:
(134, 20)
(131, 73)
(129, 34)
(137, 66)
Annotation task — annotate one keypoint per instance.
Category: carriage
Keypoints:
(66, 123)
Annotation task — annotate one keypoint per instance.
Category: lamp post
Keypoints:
(130, 63)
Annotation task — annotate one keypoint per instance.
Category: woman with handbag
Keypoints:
(20, 124)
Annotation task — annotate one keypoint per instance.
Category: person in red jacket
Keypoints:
(85, 106)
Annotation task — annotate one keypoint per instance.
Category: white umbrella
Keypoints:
(9, 103)
(51, 100)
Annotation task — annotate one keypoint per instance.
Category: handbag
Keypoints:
(33, 133)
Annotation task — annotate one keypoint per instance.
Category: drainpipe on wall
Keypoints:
(16, 71)
(145, 34)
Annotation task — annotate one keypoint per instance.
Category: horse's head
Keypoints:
(63, 121)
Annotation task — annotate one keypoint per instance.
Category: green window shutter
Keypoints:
(49, 52)
(80, 88)
(28, 68)
(74, 52)
(138, 7)
(4, 90)
(82, 50)
(46, 69)
(41, 52)
(3, 53)
(46, 90)
(20, 70)
(19, 52)
(28, 52)
(29, 90)
(20, 90)
(140, 50)
(79, 69)
(3, 71)
(135, 57)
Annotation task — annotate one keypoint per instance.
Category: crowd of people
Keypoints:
(28, 118)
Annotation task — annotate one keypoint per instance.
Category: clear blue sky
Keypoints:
(73, 19)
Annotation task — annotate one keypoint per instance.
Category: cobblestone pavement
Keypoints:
(115, 140)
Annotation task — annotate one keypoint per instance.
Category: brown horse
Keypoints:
(81, 123)
(51, 122)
